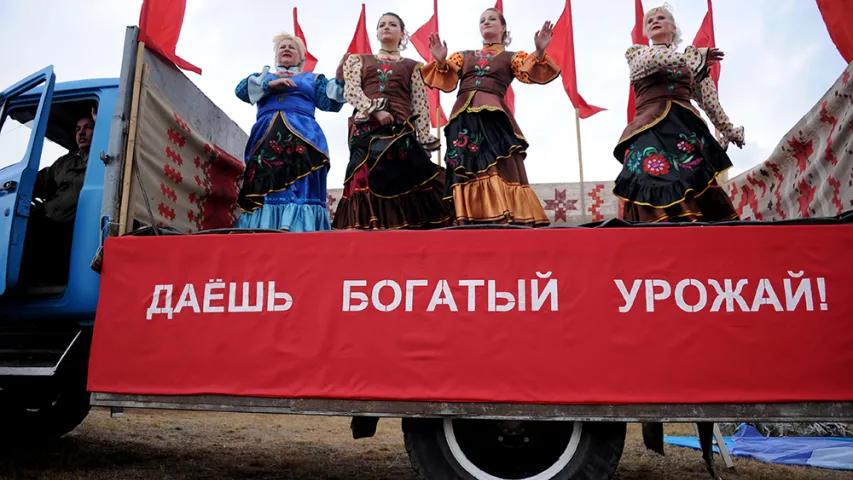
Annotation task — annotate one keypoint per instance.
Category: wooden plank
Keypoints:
(669, 413)
(124, 218)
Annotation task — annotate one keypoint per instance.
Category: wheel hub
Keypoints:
(512, 450)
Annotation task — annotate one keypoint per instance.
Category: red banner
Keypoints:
(160, 23)
(637, 315)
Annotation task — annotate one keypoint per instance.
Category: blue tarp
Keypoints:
(824, 452)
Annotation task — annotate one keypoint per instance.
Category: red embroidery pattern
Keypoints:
(750, 199)
(330, 204)
(825, 117)
(181, 123)
(166, 211)
(805, 199)
(173, 174)
(560, 205)
(482, 67)
(168, 192)
(174, 156)
(216, 205)
(597, 202)
(836, 194)
(384, 71)
(777, 193)
(802, 152)
(177, 138)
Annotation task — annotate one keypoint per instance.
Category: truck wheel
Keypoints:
(45, 423)
(463, 449)
(44, 420)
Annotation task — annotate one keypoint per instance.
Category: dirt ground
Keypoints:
(187, 445)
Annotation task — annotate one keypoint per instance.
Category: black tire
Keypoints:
(591, 452)
(37, 410)
(46, 421)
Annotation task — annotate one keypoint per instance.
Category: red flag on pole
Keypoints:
(838, 17)
(510, 95)
(160, 24)
(361, 39)
(420, 39)
(705, 39)
(637, 38)
(310, 60)
(563, 52)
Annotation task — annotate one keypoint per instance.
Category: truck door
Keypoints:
(20, 106)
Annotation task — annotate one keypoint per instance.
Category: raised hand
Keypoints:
(715, 55)
(543, 37)
(438, 49)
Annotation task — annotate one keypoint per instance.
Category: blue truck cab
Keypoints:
(46, 324)
(53, 111)
(45, 330)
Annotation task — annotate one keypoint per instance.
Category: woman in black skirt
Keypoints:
(670, 160)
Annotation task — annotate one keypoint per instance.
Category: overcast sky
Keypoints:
(779, 61)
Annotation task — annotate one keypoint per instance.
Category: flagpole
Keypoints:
(438, 132)
(580, 164)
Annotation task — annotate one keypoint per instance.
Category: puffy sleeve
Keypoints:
(697, 60)
(253, 88)
(446, 78)
(420, 107)
(530, 69)
(644, 60)
(355, 96)
(335, 90)
(322, 99)
(705, 95)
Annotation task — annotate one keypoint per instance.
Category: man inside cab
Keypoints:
(50, 228)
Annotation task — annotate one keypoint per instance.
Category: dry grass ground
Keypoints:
(187, 445)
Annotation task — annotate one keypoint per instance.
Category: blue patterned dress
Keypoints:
(287, 158)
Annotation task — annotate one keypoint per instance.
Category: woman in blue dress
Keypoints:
(287, 158)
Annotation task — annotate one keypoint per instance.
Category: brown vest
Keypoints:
(653, 94)
(486, 72)
(391, 80)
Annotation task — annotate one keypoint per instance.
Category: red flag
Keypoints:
(420, 39)
(637, 38)
(361, 39)
(563, 52)
(838, 17)
(310, 60)
(510, 95)
(705, 39)
(160, 24)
